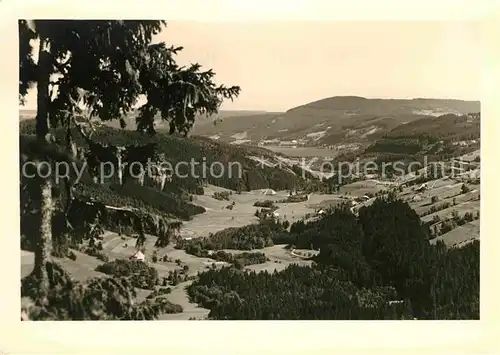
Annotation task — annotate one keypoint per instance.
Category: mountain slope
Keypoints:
(334, 120)
(437, 138)
(195, 161)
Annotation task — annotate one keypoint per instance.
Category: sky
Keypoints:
(282, 64)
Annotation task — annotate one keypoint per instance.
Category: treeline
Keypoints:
(253, 236)
(239, 260)
(385, 247)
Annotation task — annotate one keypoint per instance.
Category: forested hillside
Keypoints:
(438, 138)
(201, 151)
(379, 265)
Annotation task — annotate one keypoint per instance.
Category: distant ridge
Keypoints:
(346, 102)
(333, 120)
(329, 121)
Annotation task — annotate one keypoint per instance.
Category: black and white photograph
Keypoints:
(272, 170)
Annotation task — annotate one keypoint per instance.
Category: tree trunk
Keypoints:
(44, 244)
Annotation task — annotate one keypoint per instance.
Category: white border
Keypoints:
(246, 337)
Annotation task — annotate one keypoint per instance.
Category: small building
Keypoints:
(139, 256)
(269, 192)
(321, 212)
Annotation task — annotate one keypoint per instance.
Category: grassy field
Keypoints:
(360, 188)
(81, 269)
(460, 235)
(218, 217)
(423, 206)
(461, 208)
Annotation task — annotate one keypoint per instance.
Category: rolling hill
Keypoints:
(349, 125)
(331, 121)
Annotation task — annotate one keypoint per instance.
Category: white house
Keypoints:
(138, 256)
(269, 192)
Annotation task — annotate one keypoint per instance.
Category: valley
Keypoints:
(217, 218)
(264, 220)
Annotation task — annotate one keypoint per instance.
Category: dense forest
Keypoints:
(375, 266)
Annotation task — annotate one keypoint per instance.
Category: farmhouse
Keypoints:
(139, 256)
(269, 192)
